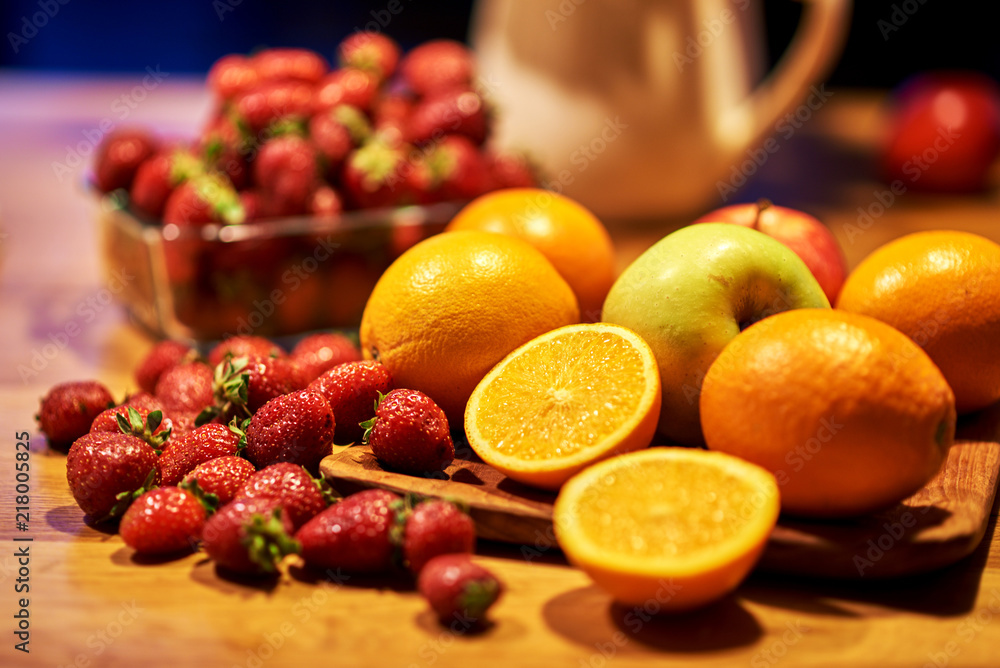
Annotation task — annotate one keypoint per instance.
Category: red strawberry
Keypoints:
(244, 346)
(337, 131)
(370, 51)
(157, 177)
(452, 111)
(139, 422)
(453, 169)
(325, 201)
(231, 75)
(290, 65)
(143, 401)
(458, 590)
(353, 534)
(181, 422)
(196, 447)
(250, 199)
(438, 65)
(390, 115)
(511, 170)
(270, 377)
(433, 528)
(375, 175)
(296, 427)
(185, 387)
(222, 476)
(119, 156)
(249, 537)
(410, 433)
(286, 174)
(352, 388)
(206, 198)
(271, 101)
(299, 493)
(223, 149)
(164, 520)
(104, 470)
(348, 85)
(68, 410)
(317, 353)
(163, 356)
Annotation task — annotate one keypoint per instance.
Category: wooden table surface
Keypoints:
(92, 604)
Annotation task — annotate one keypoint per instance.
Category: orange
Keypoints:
(674, 528)
(452, 306)
(570, 236)
(564, 400)
(849, 414)
(942, 289)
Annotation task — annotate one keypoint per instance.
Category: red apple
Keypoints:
(810, 239)
(944, 132)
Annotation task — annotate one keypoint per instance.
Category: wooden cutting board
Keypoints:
(938, 525)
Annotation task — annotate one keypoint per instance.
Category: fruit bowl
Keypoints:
(272, 277)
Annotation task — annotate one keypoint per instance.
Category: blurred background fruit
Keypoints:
(654, 528)
(570, 236)
(454, 305)
(537, 417)
(942, 289)
(850, 415)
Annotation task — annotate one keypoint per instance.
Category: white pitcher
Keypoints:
(642, 108)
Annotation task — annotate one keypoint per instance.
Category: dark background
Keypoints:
(188, 35)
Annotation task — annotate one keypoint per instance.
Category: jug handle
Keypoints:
(812, 51)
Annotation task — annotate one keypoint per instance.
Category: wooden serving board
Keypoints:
(938, 525)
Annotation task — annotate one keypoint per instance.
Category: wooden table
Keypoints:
(93, 604)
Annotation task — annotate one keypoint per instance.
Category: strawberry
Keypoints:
(296, 427)
(348, 85)
(511, 170)
(165, 520)
(105, 471)
(458, 589)
(249, 537)
(337, 131)
(375, 175)
(298, 492)
(317, 353)
(258, 108)
(286, 174)
(196, 447)
(157, 176)
(433, 528)
(119, 156)
(289, 65)
(223, 148)
(410, 433)
(222, 477)
(438, 65)
(326, 202)
(206, 198)
(452, 169)
(163, 356)
(451, 111)
(232, 75)
(390, 114)
(352, 388)
(270, 377)
(370, 51)
(244, 346)
(143, 401)
(68, 409)
(139, 422)
(185, 387)
(250, 199)
(353, 534)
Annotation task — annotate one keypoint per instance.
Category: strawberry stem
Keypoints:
(267, 542)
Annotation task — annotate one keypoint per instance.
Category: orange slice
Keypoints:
(564, 400)
(678, 526)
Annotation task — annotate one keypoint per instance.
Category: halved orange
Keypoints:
(673, 527)
(564, 400)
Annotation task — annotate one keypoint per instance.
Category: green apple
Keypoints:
(692, 292)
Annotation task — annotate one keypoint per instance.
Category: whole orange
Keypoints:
(570, 236)
(848, 413)
(942, 289)
(452, 306)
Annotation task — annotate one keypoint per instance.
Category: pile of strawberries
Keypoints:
(289, 136)
(222, 453)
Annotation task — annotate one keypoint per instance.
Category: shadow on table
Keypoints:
(587, 616)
